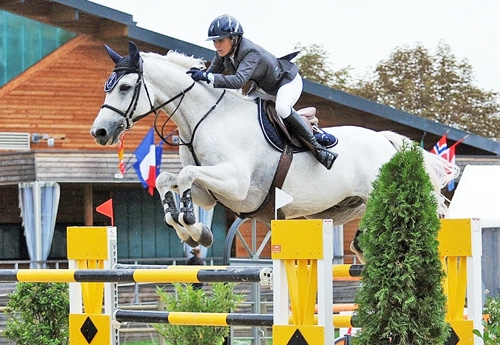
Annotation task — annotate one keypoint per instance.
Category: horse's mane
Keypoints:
(186, 62)
(180, 59)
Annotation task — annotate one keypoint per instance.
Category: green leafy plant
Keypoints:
(401, 301)
(491, 330)
(186, 299)
(37, 313)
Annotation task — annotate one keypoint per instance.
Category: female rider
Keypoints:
(244, 60)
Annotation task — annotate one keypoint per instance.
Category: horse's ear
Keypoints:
(112, 54)
(133, 51)
(135, 56)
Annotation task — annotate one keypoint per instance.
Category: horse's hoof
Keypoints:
(192, 243)
(206, 239)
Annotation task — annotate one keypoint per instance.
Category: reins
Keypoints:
(129, 113)
(190, 143)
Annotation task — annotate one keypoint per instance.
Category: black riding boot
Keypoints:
(300, 129)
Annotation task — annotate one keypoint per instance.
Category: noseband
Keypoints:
(128, 115)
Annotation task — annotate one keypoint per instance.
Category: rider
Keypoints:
(244, 60)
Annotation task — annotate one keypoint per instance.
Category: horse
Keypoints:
(225, 156)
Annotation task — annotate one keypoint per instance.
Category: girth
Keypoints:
(266, 210)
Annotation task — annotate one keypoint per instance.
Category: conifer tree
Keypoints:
(401, 301)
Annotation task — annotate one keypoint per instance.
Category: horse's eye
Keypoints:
(125, 87)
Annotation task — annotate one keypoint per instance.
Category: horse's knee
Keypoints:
(359, 254)
(166, 180)
(187, 176)
(162, 179)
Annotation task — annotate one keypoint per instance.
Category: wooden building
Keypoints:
(47, 108)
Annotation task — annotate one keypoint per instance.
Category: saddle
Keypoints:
(279, 137)
(277, 134)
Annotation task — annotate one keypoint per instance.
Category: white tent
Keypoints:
(478, 196)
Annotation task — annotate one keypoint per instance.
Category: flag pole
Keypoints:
(460, 140)
(422, 140)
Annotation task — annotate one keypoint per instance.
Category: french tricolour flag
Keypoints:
(148, 161)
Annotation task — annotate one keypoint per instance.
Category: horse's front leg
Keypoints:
(166, 183)
(222, 179)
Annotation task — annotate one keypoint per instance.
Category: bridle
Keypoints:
(128, 115)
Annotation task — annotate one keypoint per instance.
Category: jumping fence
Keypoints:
(301, 275)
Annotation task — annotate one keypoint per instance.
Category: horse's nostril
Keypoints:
(101, 133)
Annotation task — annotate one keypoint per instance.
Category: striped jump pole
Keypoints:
(214, 319)
(166, 274)
(347, 272)
(193, 318)
(173, 274)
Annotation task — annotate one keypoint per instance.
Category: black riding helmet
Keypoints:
(224, 26)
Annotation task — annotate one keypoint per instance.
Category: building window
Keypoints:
(24, 42)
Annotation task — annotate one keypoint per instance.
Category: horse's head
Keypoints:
(126, 99)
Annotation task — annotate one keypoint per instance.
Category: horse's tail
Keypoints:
(439, 169)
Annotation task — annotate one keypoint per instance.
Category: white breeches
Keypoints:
(287, 96)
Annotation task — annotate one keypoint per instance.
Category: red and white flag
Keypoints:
(441, 147)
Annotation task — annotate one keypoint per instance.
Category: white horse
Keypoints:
(226, 158)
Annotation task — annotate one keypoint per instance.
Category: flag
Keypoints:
(451, 158)
(107, 210)
(121, 163)
(145, 166)
(159, 153)
(281, 199)
(441, 147)
(422, 142)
